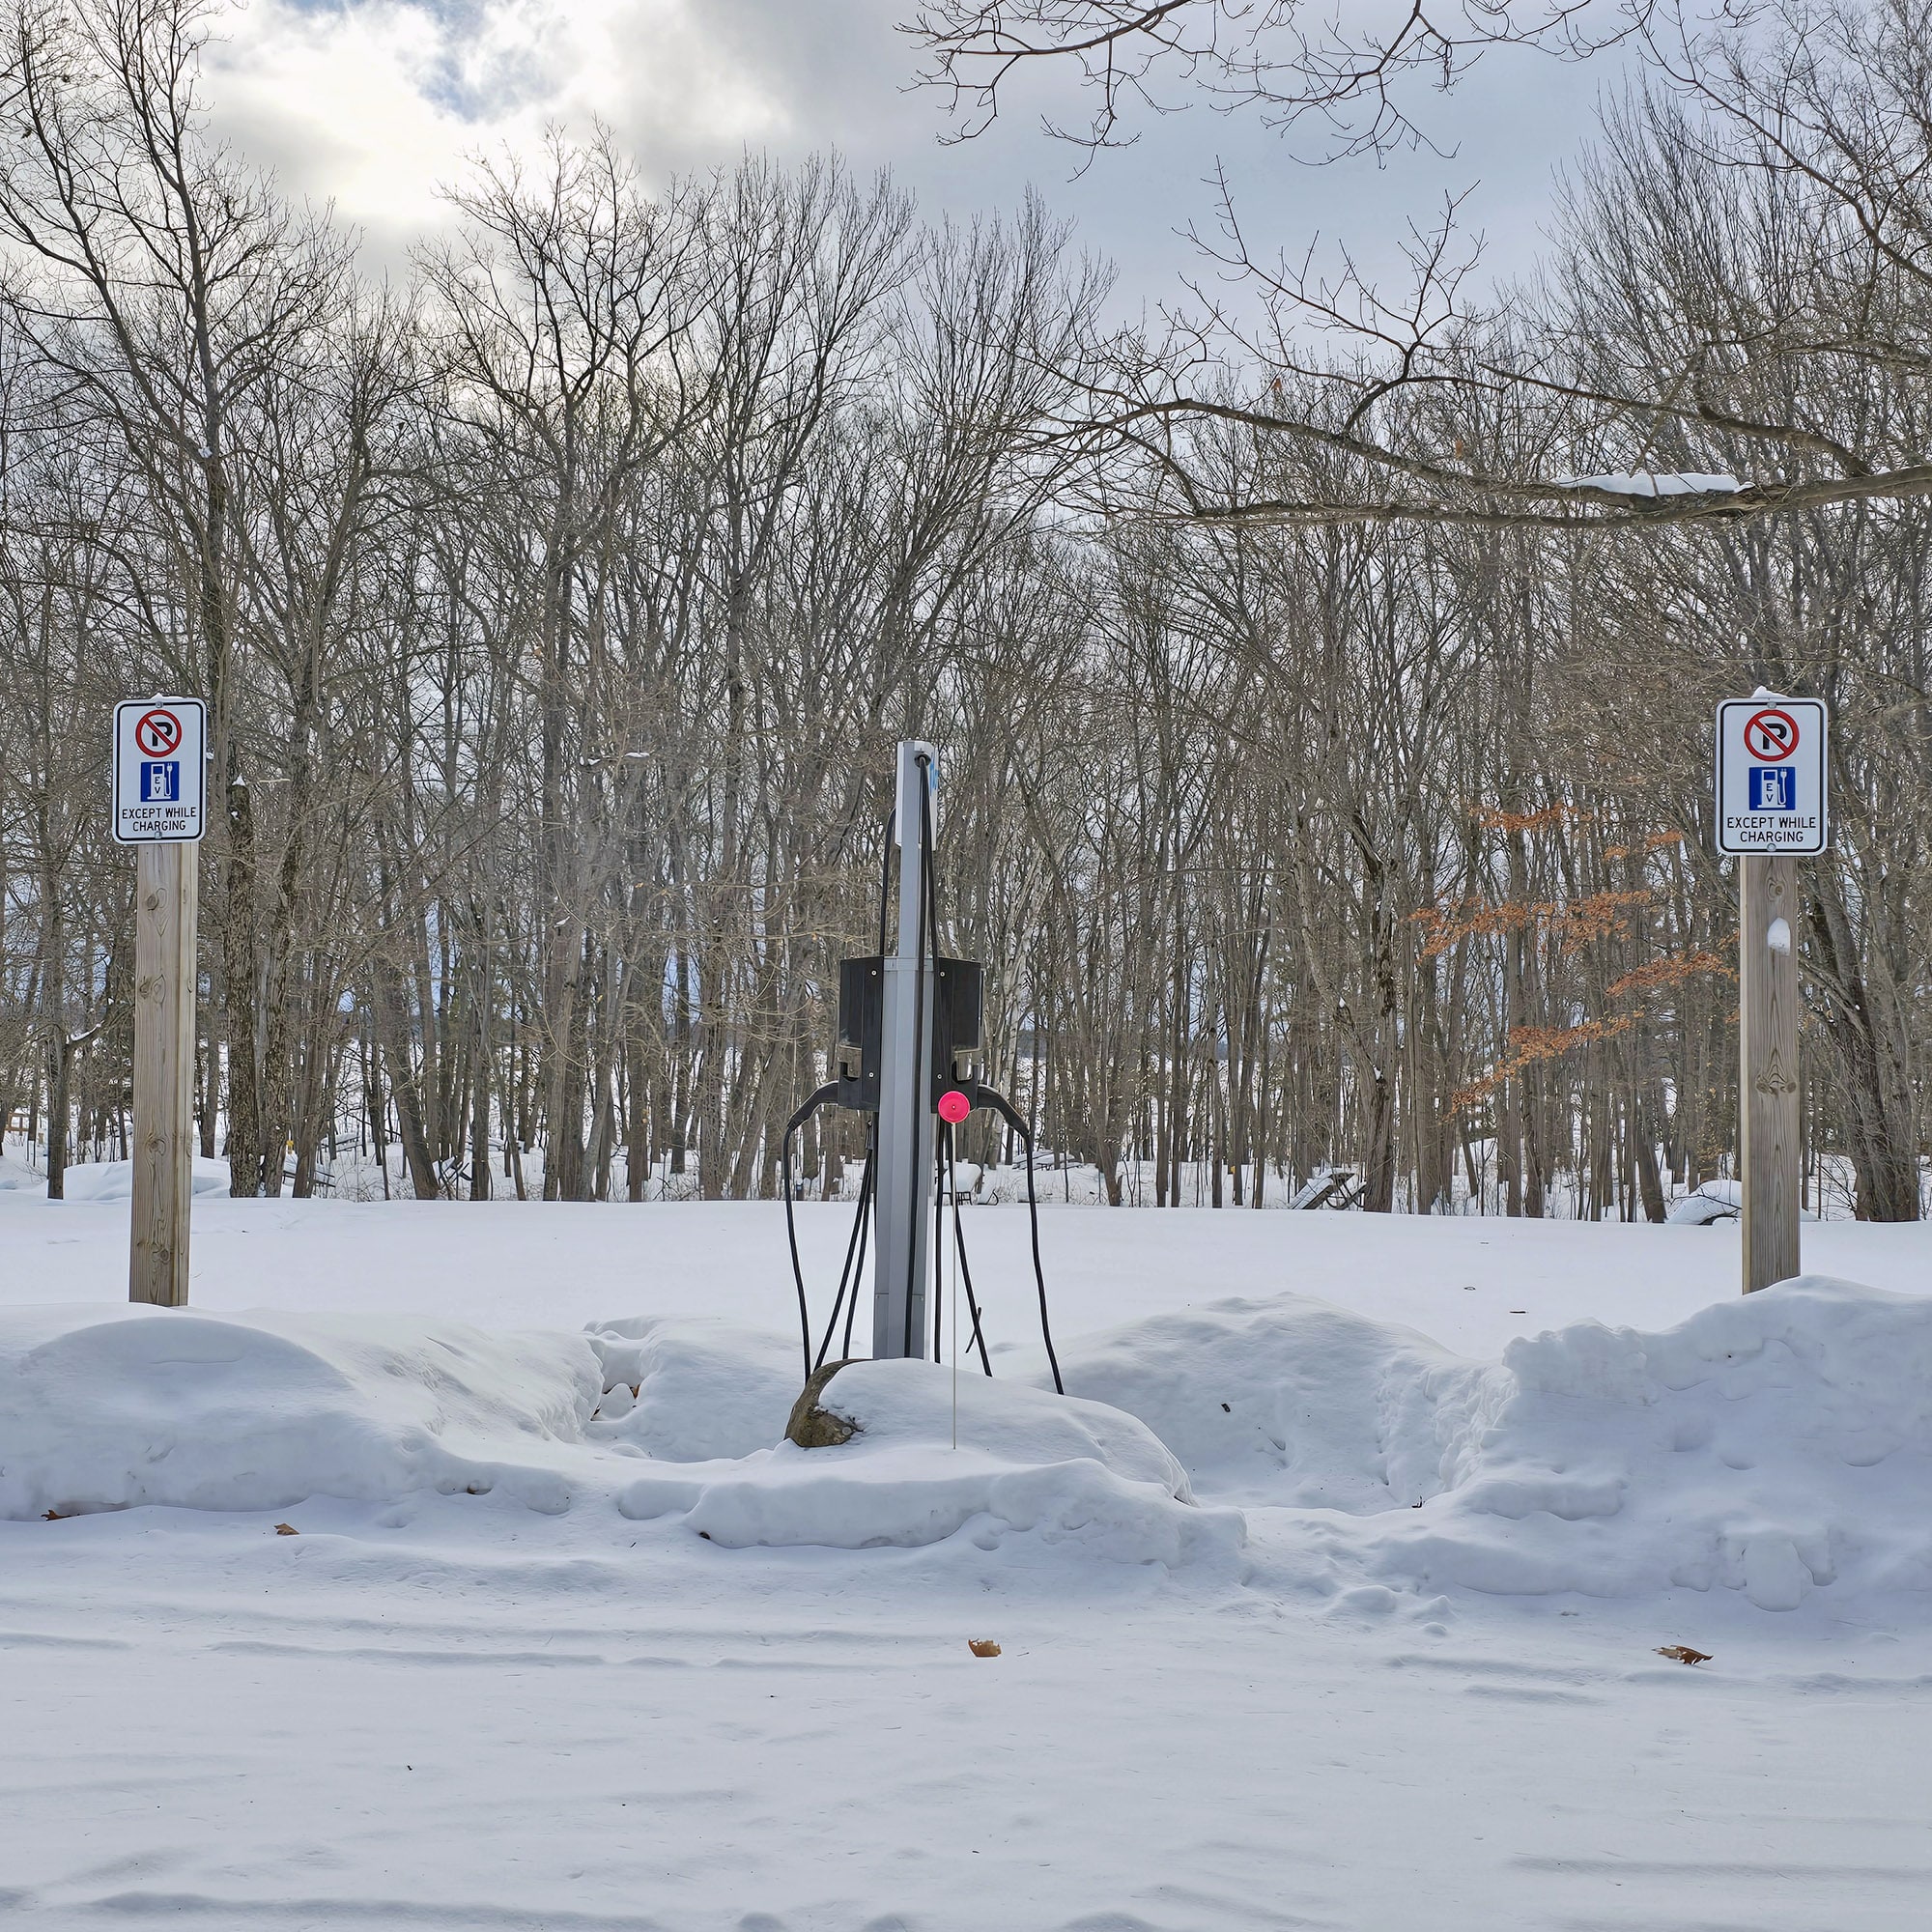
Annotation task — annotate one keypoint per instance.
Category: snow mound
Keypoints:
(693, 1391)
(111, 1180)
(1290, 1400)
(1717, 1199)
(105, 1409)
(1775, 1445)
(1067, 1472)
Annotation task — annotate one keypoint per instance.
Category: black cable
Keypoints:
(870, 1195)
(826, 1092)
(989, 1096)
(978, 1334)
(931, 883)
(850, 1275)
(1039, 1273)
(942, 1143)
(947, 1142)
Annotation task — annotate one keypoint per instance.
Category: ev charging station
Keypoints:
(906, 1096)
(908, 1057)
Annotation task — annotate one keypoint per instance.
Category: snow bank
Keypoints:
(108, 1179)
(106, 1411)
(1717, 1199)
(1070, 1473)
(1776, 1445)
(1290, 1400)
(693, 1391)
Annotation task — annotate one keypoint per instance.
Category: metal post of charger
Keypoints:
(904, 1165)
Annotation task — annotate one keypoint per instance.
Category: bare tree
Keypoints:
(1281, 59)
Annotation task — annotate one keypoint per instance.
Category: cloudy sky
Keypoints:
(373, 102)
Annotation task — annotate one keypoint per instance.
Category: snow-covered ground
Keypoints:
(1332, 1599)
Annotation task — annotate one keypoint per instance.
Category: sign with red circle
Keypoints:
(1773, 774)
(157, 734)
(954, 1106)
(160, 780)
(1770, 735)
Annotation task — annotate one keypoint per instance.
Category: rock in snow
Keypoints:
(1776, 1446)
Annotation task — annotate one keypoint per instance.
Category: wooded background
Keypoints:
(558, 607)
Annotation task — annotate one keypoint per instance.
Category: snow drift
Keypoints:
(1776, 1445)
(110, 1409)
(693, 1389)
(1290, 1400)
(103, 1411)
(1071, 1473)
(108, 1180)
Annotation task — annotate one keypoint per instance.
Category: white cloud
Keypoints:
(375, 105)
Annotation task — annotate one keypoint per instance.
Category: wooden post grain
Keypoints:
(165, 983)
(1767, 1070)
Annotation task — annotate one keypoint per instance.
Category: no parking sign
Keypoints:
(1771, 775)
(160, 779)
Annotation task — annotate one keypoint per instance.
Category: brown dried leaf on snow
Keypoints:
(287, 1529)
(982, 1646)
(1682, 1653)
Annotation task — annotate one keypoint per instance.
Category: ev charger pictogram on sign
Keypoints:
(1771, 775)
(160, 779)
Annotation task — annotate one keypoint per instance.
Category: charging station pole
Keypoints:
(904, 1173)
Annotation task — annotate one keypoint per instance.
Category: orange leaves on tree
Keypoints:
(1661, 973)
(1529, 1044)
(1571, 924)
(1494, 818)
(1444, 926)
(1651, 841)
(1600, 916)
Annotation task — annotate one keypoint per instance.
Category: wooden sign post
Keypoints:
(164, 983)
(1768, 1067)
(1772, 785)
(158, 786)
